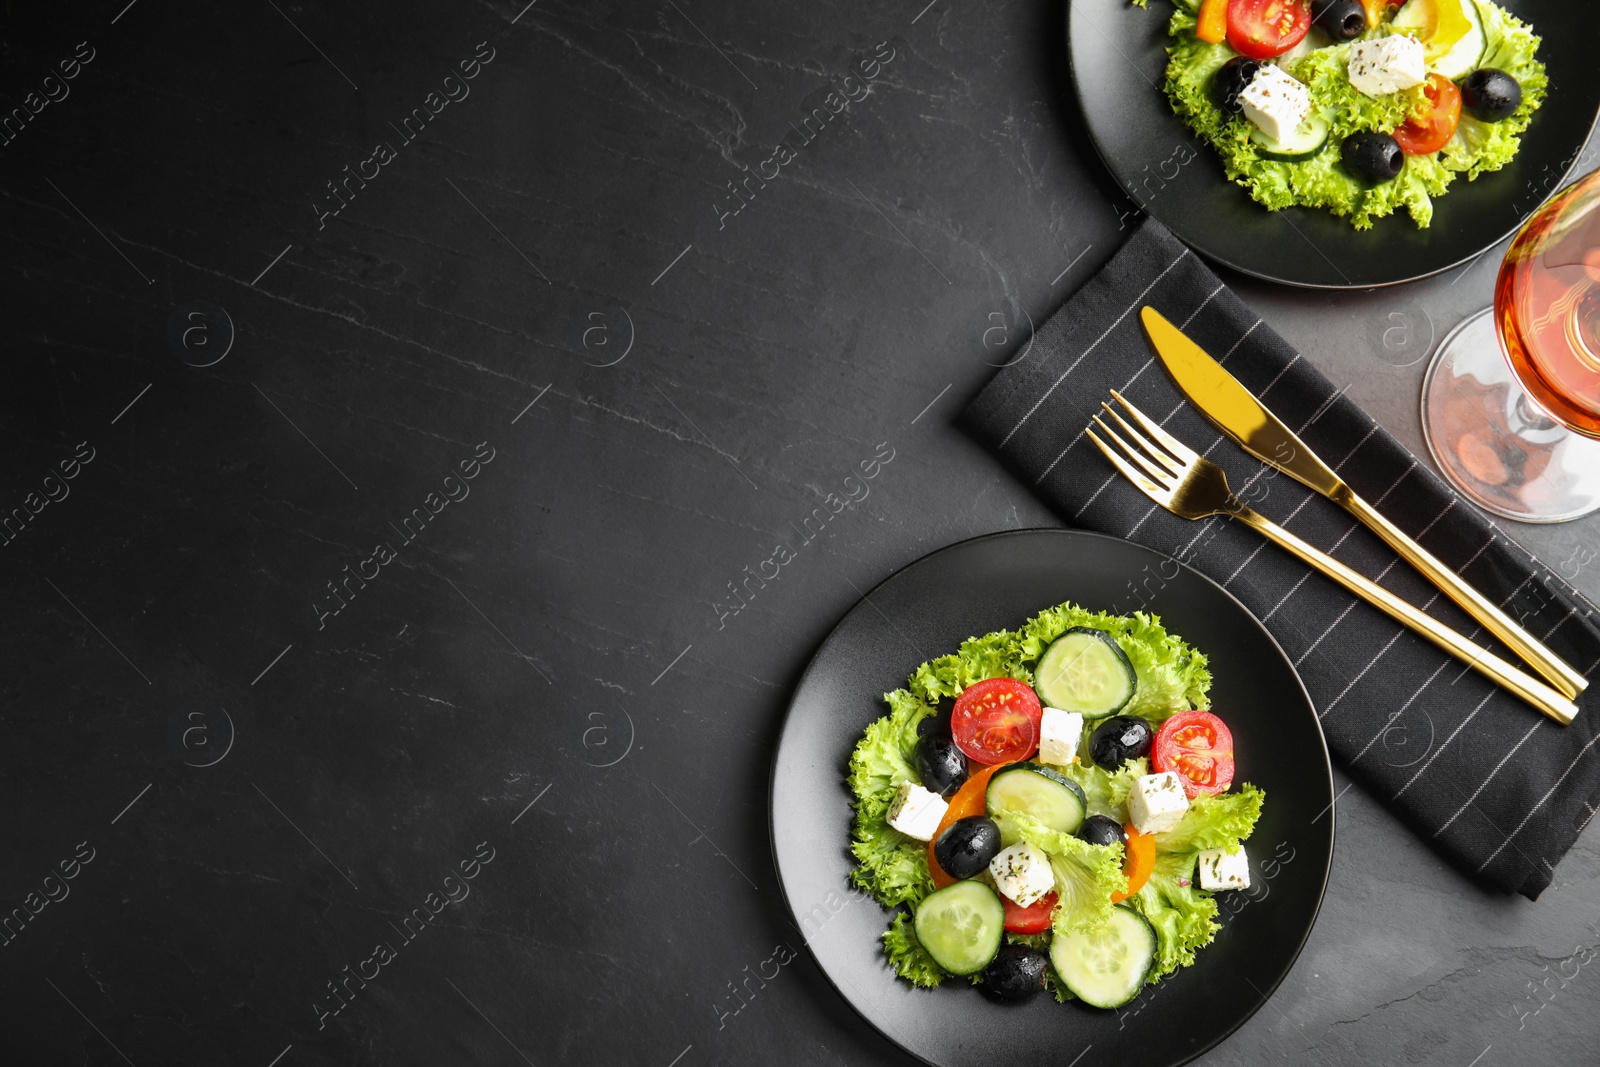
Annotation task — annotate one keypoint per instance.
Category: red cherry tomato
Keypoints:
(1262, 29)
(997, 721)
(1430, 127)
(1199, 746)
(1034, 919)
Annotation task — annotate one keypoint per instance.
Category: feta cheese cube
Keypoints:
(1387, 65)
(1022, 873)
(1059, 734)
(1275, 102)
(1156, 802)
(915, 811)
(1219, 870)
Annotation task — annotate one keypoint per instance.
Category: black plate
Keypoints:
(1118, 55)
(996, 582)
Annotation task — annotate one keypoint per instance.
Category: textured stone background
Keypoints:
(551, 274)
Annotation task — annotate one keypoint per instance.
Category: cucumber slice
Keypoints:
(1106, 967)
(1302, 142)
(1308, 44)
(961, 926)
(1086, 671)
(1418, 18)
(1467, 54)
(1051, 797)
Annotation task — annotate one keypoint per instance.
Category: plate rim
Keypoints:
(833, 632)
(1105, 161)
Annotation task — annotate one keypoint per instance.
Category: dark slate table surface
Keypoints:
(406, 602)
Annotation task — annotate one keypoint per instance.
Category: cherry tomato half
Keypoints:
(970, 799)
(1034, 919)
(1431, 126)
(1138, 860)
(1262, 29)
(1199, 746)
(997, 721)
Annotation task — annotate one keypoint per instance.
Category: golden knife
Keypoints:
(1229, 405)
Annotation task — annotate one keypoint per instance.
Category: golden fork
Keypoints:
(1192, 487)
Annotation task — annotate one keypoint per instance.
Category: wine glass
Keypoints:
(1511, 402)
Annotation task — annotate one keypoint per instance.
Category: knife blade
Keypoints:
(1238, 414)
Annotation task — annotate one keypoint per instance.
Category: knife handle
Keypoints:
(1525, 686)
(1554, 669)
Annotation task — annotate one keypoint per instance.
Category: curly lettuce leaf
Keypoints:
(1190, 67)
(1214, 822)
(1107, 791)
(1180, 7)
(1172, 675)
(1056, 987)
(907, 956)
(1184, 916)
(1323, 182)
(1038, 941)
(990, 656)
(892, 867)
(1479, 147)
(1086, 875)
(885, 755)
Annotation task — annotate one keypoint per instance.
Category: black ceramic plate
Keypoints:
(1118, 55)
(996, 582)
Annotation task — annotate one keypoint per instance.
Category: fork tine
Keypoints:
(1173, 465)
(1164, 477)
(1153, 428)
(1150, 489)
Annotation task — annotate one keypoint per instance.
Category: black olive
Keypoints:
(940, 763)
(1119, 739)
(1374, 158)
(1016, 972)
(938, 722)
(967, 845)
(1491, 95)
(1102, 830)
(1343, 20)
(1230, 80)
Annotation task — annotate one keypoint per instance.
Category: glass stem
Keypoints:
(1532, 415)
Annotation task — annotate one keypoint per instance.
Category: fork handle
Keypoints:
(1529, 688)
(1554, 669)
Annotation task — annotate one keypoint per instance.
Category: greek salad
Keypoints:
(1052, 807)
(1361, 107)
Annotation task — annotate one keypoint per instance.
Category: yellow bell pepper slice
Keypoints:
(1442, 25)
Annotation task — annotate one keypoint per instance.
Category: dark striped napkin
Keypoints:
(1488, 781)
